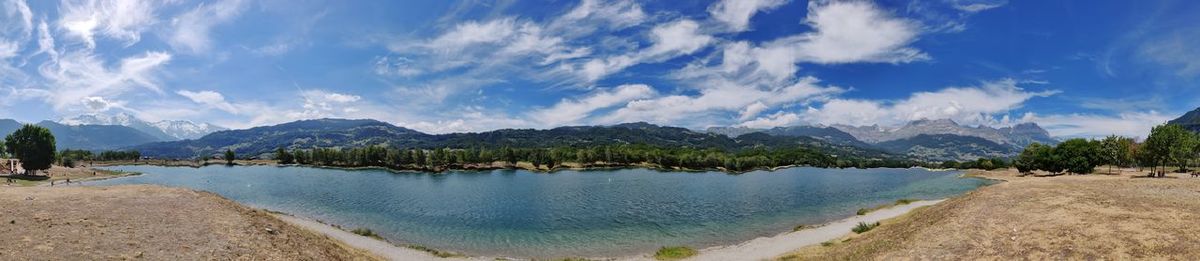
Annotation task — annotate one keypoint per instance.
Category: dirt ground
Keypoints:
(1060, 217)
(155, 223)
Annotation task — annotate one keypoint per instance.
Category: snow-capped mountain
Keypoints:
(165, 130)
(186, 130)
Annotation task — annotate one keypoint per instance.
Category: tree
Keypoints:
(1078, 156)
(1028, 162)
(284, 157)
(1168, 143)
(33, 145)
(229, 156)
(1116, 150)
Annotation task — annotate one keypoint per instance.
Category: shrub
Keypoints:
(435, 252)
(674, 253)
(366, 233)
(863, 211)
(864, 227)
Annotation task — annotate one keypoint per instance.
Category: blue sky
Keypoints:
(1078, 68)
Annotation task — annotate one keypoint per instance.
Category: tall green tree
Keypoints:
(1078, 156)
(229, 156)
(1167, 144)
(1116, 150)
(33, 145)
(1027, 162)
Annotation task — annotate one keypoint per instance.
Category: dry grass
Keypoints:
(150, 222)
(1062, 217)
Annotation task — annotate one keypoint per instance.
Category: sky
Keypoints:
(1077, 68)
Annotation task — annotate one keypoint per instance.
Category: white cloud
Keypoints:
(842, 32)
(123, 20)
(192, 29)
(726, 98)
(471, 33)
(856, 31)
(1130, 124)
(736, 14)
(45, 42)
(8, 49)
(80, 74)
(752, 110)
(967, 105)
(680, 37)
(670, 40)
(209, 98)
(19, 11)
(570, 111)
(592, 15)
(975, 6)
(778, 119)
(1176, 50)
(99, 104)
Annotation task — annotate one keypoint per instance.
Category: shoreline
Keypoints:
(504, 166)
(767, 247)
(778, 245)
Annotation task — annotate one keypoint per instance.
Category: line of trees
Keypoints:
(597, 156)
(70, 157)
(1167, 145)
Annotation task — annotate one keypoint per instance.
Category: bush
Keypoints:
(864, 227)
(863, 211)
(435, 252)
(674, 253)
(366, 233)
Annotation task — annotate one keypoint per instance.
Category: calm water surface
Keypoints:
(567, 213)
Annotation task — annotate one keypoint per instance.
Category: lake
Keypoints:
(566, 213)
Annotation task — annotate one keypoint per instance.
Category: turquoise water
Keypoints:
(566, 213)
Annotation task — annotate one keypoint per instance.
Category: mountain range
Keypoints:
(351, 133)
(99, 132)
(88, 137)
(164, 130)
(937, 140)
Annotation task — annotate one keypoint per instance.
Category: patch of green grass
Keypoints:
(674, 253)
(828, 243)
(905, 201)
(366, 233)
(435, 252)
(863, 211)
(864, 227)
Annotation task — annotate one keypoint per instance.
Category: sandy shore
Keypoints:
(374, 246)
(1068, 217)
(770, 247)
(150, 222)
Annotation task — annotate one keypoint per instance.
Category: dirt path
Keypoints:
(1063, 217)
(151, 222)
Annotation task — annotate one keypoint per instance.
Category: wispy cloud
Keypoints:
(123, 20)
(192, 29)
(736, 14)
